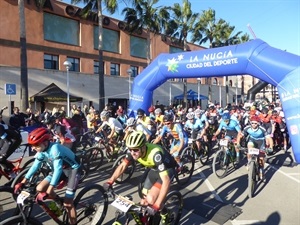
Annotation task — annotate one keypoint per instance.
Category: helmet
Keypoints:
(105, 114)
(274, 112)
(140, 112)
(131, 122)
(168, 117)
(198, 112)
(265, 110)
(158, 110)
(136, 140)
(190, 110)
(211, 106)
(38, 136)
(255, 118)
(190, 116)
(226, 116)
(151, 109)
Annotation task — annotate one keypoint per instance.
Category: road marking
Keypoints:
(286, 174)
(241, 222)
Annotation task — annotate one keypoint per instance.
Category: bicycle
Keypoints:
(90, 204)
(253, 169)
(192, 149)
(169, 215)
(17, 164)
(224, 157)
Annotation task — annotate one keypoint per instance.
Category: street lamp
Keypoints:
(170, 93)
(129, 72)
(199, 82)
(68, 65)
(220, 94)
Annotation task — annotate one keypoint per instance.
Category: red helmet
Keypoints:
(255, 118)
(151, 109)
(38, 136)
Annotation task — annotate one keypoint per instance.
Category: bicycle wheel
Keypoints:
(251, 179)
(28, 163)
(6, 211)
(95, 157)
(127, 173)
(185, 174)
(18, 220)
(174, 206)
(141, 183)
(204, 153)
(81, 145)
(91, 205)
(220, 163)
(188, 151)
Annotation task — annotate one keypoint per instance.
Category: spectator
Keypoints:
(17, 119)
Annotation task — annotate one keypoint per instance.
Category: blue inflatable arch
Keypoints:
(256, 58)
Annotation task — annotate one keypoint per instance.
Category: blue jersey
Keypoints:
(258, 134)
(56, 156)
(232, 126)
(177, 132)
(195, 125)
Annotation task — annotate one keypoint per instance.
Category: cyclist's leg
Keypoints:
(74, 177)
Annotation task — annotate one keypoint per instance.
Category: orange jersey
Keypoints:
(277, 119)
(265, 118)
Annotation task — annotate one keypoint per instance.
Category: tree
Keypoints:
(95, 6)
(144, 15)
(182, 22)
(23, 53)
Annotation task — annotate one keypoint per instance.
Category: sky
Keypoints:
(277, 22)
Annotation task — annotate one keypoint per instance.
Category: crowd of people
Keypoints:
(52, 134)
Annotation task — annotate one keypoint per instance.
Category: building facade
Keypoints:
(57, 33)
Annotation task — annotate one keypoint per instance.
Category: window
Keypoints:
(96, 67)
(115, 69)
(138, 47)
(61, 29)
(110, 40)
(50, 62)
(135, 71)
(75, 64)
(175, 49)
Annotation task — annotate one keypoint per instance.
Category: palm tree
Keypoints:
(96, 7)
(23, 53)
(181, 23)
(218, 33)
(145, 16)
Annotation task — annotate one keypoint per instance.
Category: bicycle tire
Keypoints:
(28, 163)
(127, 173)
(91, 205)
(188, 164)
(18, 220)
(6, 211)
(174, 206)
(220, 163)
(251, 179)
(188, 150)
(204, 153)
(81, 145)
(95, 157)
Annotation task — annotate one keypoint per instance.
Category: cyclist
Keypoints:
(162, 165)
(145, 121)
(180, 138)
(10, 139)
(132, 126)
(116, 128)
(265, 120)
(58, 157)
(257, 138)
(233, 130)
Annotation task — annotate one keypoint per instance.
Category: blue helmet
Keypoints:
(226, 116)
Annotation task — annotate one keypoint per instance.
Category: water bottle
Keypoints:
(54, 208)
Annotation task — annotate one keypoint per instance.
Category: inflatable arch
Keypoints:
(256, 58)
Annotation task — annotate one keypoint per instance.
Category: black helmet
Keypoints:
(140, 112)
(168, 117)
(265, 111)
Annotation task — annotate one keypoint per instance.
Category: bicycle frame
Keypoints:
(17, 168)
(229, 148)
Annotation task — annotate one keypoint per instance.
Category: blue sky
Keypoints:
(276, 22)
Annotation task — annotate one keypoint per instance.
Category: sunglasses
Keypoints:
(167, 123)
(134, 150)
(226, 121)
(254, 123)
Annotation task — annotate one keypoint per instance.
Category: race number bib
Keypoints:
(223, 142)
(21, 197)
(253, 151)
(122, 203)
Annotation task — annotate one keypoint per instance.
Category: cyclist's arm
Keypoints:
(35, 166)
(120, 169)
(164, 188)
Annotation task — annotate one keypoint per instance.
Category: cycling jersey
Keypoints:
(56, 156)
(258, 134)
(177, 132)
(231, 126)
(155, 158)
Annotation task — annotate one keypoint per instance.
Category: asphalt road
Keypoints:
(210, 200)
